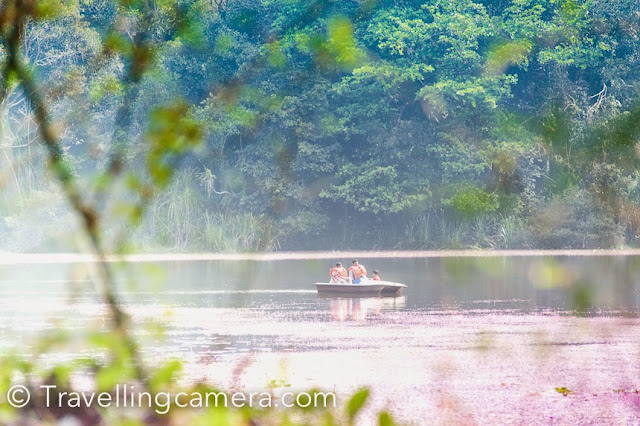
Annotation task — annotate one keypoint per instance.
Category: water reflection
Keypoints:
(361, 308)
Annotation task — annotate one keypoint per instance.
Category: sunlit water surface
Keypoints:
(546, 323)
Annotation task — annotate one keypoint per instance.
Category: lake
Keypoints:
(471, 340)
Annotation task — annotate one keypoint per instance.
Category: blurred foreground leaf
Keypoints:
(357, 402)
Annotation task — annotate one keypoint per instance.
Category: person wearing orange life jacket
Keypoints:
(338, 274)
(357, 272)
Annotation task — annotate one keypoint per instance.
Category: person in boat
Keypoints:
(357, 272)
(338, 274)
(375, 276)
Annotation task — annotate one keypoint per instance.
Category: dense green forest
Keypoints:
(332, 125)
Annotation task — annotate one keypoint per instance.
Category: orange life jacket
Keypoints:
(338, 271)
(358, 271)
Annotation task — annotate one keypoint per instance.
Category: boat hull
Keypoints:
(371, 287)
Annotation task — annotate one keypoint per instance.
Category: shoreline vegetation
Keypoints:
(428, 125)
(42, 258)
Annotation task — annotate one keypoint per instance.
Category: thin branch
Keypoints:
(11, 39)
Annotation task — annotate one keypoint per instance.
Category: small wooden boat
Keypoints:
(369, 287)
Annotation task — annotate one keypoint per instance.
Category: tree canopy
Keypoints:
(327, 125)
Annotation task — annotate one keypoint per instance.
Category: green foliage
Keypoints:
(109, 85)
(308, 114)
(245, 232)
(356, 403)
(371, 188)
(476, 92)
(385, 419)
(503, 55)
(575, 220)
(342, 44)
(470, 201)
(514, 233)
(171, 133)
(50, 9)
(165, 375)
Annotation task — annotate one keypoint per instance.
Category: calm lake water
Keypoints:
(218, 314)
(599, 285)
(240, 293)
